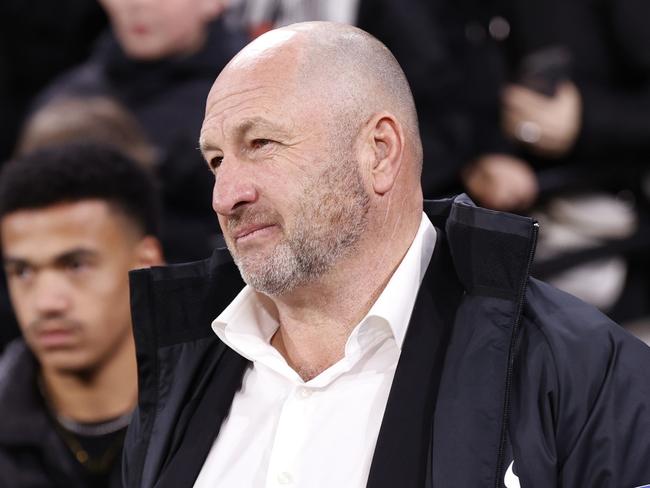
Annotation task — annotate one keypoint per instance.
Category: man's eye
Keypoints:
(260, 143)
(215, 162)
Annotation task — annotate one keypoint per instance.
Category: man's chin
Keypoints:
(269, 282)
(66, 362)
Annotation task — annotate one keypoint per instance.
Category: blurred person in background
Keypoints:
(73, 221)
(100, 120)
(159, 61)
(560, 97)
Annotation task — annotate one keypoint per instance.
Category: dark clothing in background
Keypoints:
(495, 365)
(9, 329)
(417, 37)
(39, 39)
(32, 452)
(608, 43)
(609, 46)
(168, 98)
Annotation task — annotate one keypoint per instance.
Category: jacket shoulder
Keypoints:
(582, 394)
(577, 334)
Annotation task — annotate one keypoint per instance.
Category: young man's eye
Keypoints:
(76, 265)
(18, 271)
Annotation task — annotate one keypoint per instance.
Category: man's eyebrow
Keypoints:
(67, 256)
(256, 122)
(76, 253)
(205, 146)
(243, 128)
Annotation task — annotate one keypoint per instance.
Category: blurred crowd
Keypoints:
(537, 107)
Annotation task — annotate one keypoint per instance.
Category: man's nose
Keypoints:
(52, 296)
(234, 186)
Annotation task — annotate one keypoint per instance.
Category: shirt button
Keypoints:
(285, 478)
(304, 392)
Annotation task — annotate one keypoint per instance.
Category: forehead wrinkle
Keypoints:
(216, 89)
(243, 127)
(251, 123)
(231, 120)
(222, 113)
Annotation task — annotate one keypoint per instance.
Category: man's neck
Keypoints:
(106, 392)
(316, 320)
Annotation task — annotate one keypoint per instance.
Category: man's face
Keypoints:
(67, 267)
(154, 29)
(288, 193)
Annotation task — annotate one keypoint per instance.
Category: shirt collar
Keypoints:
(247, 325)
(396, 301)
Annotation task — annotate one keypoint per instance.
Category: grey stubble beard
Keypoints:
(331, 218)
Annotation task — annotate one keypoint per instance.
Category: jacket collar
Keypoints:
(490, 250)
(402, 454)
(20, 399)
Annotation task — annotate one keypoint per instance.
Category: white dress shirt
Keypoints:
(283, 431)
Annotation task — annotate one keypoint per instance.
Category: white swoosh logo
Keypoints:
(511, 480)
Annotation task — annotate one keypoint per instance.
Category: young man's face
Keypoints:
(67, 268)
(155, 29)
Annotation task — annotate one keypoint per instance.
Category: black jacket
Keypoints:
(32, 454)
(494, 365)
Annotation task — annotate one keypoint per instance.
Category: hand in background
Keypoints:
(501, 182)
(548, 125)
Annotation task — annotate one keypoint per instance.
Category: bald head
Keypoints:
(342, 68)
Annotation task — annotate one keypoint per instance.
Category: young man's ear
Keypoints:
(386, 143)
(148, 253)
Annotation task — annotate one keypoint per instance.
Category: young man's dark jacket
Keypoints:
(495, 365)
(32, 453)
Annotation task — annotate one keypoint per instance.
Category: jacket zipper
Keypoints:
(511, 360)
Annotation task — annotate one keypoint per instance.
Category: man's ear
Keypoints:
(386, 141)
(148, 252)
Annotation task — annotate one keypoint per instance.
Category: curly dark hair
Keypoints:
(74, 172)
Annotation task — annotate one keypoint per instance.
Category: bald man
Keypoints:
(346, 337)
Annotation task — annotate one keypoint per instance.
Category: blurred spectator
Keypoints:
(561, 98)
(412, 30)
(568, 81)
(39, 39)
(100, 120)
(73, 221)
(159, 61)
